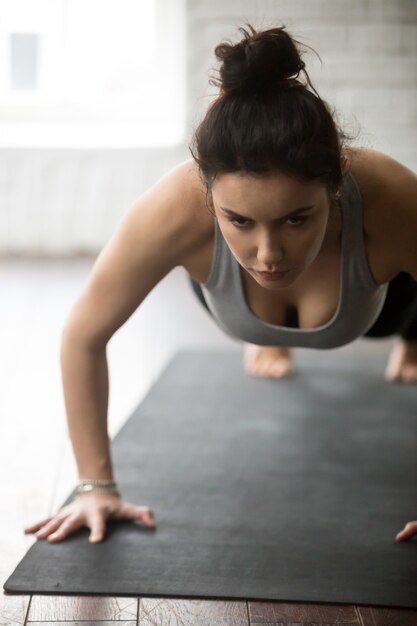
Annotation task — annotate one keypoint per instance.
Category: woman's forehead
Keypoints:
(240, 186)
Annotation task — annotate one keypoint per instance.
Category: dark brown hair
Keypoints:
(264, 118)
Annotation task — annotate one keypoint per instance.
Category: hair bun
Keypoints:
(262, 61)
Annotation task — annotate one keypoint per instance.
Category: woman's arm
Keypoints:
(155, 234)
(164, 226)
(395, 221)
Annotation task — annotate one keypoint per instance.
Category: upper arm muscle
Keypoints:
(152, 238)
(391, 218)
(401, 185)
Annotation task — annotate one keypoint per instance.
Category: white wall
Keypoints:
(60, 202)
(368, 49)
(65, 202)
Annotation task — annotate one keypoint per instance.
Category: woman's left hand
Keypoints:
(409, 530)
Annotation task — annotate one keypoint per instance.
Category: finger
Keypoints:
(50, 526)
(71, 523)
(141, 513)
(33, 527)
(97, 523)
(408, 531)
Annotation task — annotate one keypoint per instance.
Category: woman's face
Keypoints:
(271, 223)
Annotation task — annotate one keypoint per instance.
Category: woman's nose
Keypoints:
(270, 252)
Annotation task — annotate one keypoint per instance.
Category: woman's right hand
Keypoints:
(91, 510)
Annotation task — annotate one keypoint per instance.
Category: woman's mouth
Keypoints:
(273, 275)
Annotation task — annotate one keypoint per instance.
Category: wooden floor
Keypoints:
(37, 470)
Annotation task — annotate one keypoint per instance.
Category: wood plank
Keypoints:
(55, 608)
(78, 623)
(13, 609)
(180, 612)
(387, 616)
(263, 613)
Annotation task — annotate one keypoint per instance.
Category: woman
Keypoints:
(290, 236)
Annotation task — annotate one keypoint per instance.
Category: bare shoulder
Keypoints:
(196, 225)
(389, 196)
(164, 227)
(197, 218)
(177, 205)
(381, 178)
(172, 215)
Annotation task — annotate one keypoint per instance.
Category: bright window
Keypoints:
(92, 73)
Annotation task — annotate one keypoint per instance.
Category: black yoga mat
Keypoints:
(267, 489)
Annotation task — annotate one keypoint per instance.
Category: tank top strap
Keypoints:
(221, 261)
(356, 258)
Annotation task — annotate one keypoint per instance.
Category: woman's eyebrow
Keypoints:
(231, 213)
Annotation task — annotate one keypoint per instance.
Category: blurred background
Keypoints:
(98, 99)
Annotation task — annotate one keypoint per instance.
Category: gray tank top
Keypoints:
(360, 301)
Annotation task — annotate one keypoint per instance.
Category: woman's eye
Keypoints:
(296, 221)
(243, 222)
(239, 221)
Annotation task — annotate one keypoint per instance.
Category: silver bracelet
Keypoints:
(97, 481)
(97, 486)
